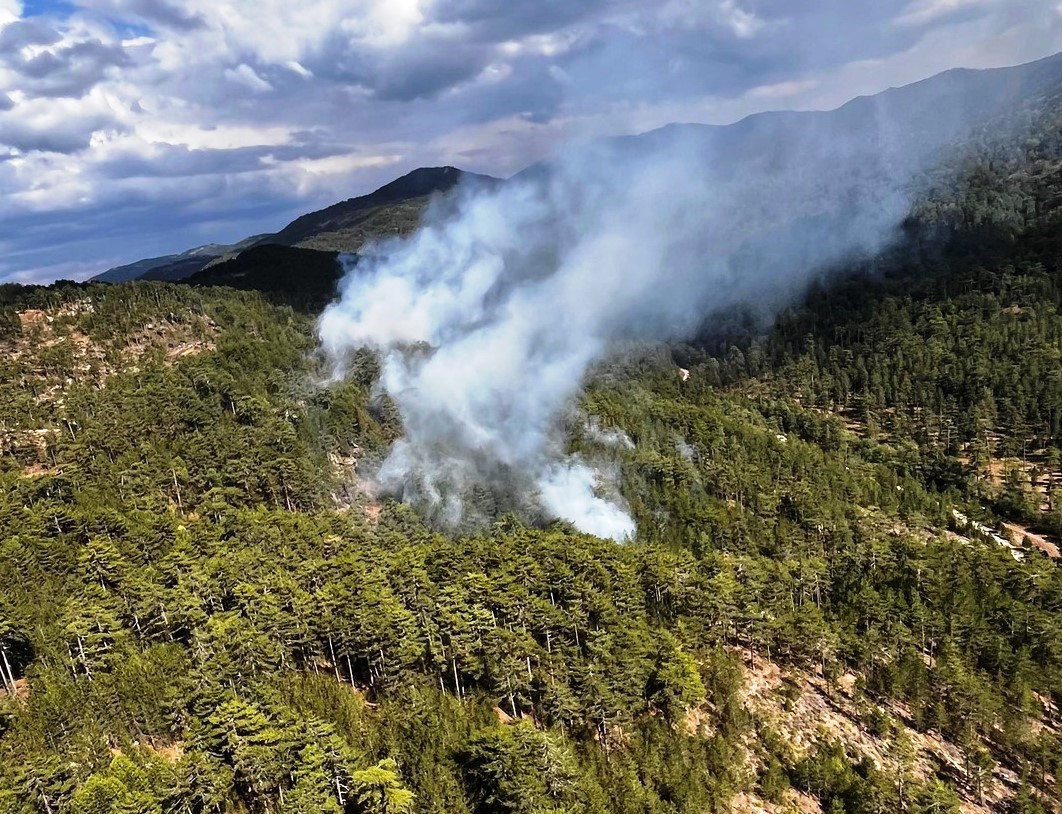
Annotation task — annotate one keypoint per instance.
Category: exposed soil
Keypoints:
(803, 707)
(1021, 533)
(54, 355)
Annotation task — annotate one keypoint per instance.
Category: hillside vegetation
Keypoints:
(824, 611)
(195, 619)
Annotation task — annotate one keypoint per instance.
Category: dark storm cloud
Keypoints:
(69, 70)
(164, 13)
(419, 69)
(495, 21)
(124, 225)
(69, 135)
(34, 31)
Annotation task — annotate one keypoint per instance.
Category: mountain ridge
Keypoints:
(923, 118)
(824, 610)
(415, 185)
(403, 198)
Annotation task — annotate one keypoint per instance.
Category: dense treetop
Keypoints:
(200, 611)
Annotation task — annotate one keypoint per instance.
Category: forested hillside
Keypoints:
(201, 614)
(844, 595)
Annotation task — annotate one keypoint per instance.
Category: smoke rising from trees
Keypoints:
(489, 317)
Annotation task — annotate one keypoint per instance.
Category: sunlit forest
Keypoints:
(845, 589)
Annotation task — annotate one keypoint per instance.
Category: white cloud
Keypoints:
(244, 74)
(921, 12)
(10, 10)
(300, 69)
(340, 164)
(744, 24)
(324, 99)
(783, 90)
(737, 20)
(388, 23)
(218, 137)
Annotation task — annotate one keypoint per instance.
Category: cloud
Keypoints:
(313, 101)
(173, 161)
(71, 69)
(244, 74)
(160, 13)
(493, 21)
(743, 23)
(420, 68)
(48, 63)
(782, 90)
(10, 11)
(24, 137)
(921, 12)
(22, 33)
(55, 125)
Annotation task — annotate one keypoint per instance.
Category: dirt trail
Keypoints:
(1019, 533)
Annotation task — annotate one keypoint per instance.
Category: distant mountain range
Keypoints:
(893, 132)
(393, 209)
(172, 267)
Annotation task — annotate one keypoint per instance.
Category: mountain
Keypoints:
(393, 209)
(842, 597)
(174, 266)
(845, 593)
(908, 123)
(299, 264)
(303, 277)
(872, 154)
(857, 149)
(134, 271)
(901, 131)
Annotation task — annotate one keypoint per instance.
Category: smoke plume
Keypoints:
(488, 318)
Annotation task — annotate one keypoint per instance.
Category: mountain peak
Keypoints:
(345, 220)
(420, 182)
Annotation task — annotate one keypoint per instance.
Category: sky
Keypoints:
(138, 128)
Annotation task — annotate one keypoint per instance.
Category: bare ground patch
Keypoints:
(803, 707)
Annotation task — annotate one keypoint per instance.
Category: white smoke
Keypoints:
(488, 318)
(606, 436)
(568, 491)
